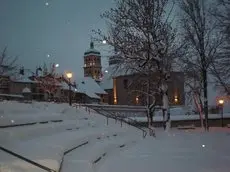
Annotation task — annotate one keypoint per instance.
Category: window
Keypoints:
(125, 82)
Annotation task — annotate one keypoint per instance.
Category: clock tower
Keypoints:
(92, 63)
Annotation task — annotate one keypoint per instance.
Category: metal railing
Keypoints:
(102, 111)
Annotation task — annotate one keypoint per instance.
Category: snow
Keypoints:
(89, 86)
(88, 144)
(12, 95)
(180, 117)
(22, 78)
(178, 152)
(26, 90)
(65, 86)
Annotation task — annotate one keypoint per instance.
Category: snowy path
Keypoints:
(88, 144)
(45, 143)
(177, 152)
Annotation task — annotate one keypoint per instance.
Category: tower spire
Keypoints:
(91, 45)
(91, 42)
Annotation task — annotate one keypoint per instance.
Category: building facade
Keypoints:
(128, 90)
(92, 63)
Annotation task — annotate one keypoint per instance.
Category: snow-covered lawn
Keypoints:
(180, 117)
(88, 144)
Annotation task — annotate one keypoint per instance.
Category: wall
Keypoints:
(127, 95)
(17, 87)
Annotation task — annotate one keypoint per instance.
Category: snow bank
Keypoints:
(178, 117)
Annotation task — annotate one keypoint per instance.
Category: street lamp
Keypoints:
(221, 106)
(69, 76)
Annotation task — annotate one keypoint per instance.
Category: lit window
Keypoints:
(137, 99)
(115, 100)
(176, 99)
(90, 64)
(84, 65)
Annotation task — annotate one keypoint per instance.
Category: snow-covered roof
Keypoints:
(107, 80)
(114, 71)
(89, 86)
(65, 86)
(26, 90)
(22, 79)
(92, 51)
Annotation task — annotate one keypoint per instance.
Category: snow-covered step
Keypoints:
(48, 151)
(188, 127)
(87, 159)
(38, 130)
(28, 119)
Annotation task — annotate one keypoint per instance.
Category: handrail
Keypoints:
(116, 118)
(132, 124)
(27, 160)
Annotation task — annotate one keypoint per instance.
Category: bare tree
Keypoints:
(49, 82)
(7, 63)
(221, 68)
(142, 36)
(201, 41)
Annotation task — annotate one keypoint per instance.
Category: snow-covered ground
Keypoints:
(90, 145)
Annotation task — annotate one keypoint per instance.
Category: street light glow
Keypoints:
(69, 75)
(57, 65)
(106, 71)
(221, 101)
(104, 42)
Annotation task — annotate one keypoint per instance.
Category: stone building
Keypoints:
(121, 85)
(92, 63)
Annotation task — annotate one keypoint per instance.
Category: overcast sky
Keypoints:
(32, 29)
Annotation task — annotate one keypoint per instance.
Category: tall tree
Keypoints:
(7, 63)
(142, 36)
(201, 41)
(221, 68)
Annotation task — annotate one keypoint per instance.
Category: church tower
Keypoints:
(92, 63)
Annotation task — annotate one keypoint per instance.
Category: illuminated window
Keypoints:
(176, 99)
(115, 100)
(137, 99)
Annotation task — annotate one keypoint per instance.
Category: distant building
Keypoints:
(92, 63)
(116, 82)
(92, 92)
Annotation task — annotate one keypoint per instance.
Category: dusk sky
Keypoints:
(34, 29)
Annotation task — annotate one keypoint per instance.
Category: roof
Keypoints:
(65, 86)
(111, 72)
(92, 51)
(22, 79)
(89, 86)
(26, 90)
(116, 70)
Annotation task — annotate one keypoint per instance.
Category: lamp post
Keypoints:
(221, 106)
(69, 76)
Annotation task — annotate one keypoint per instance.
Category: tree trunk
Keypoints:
(205, 86)
(165, 108)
